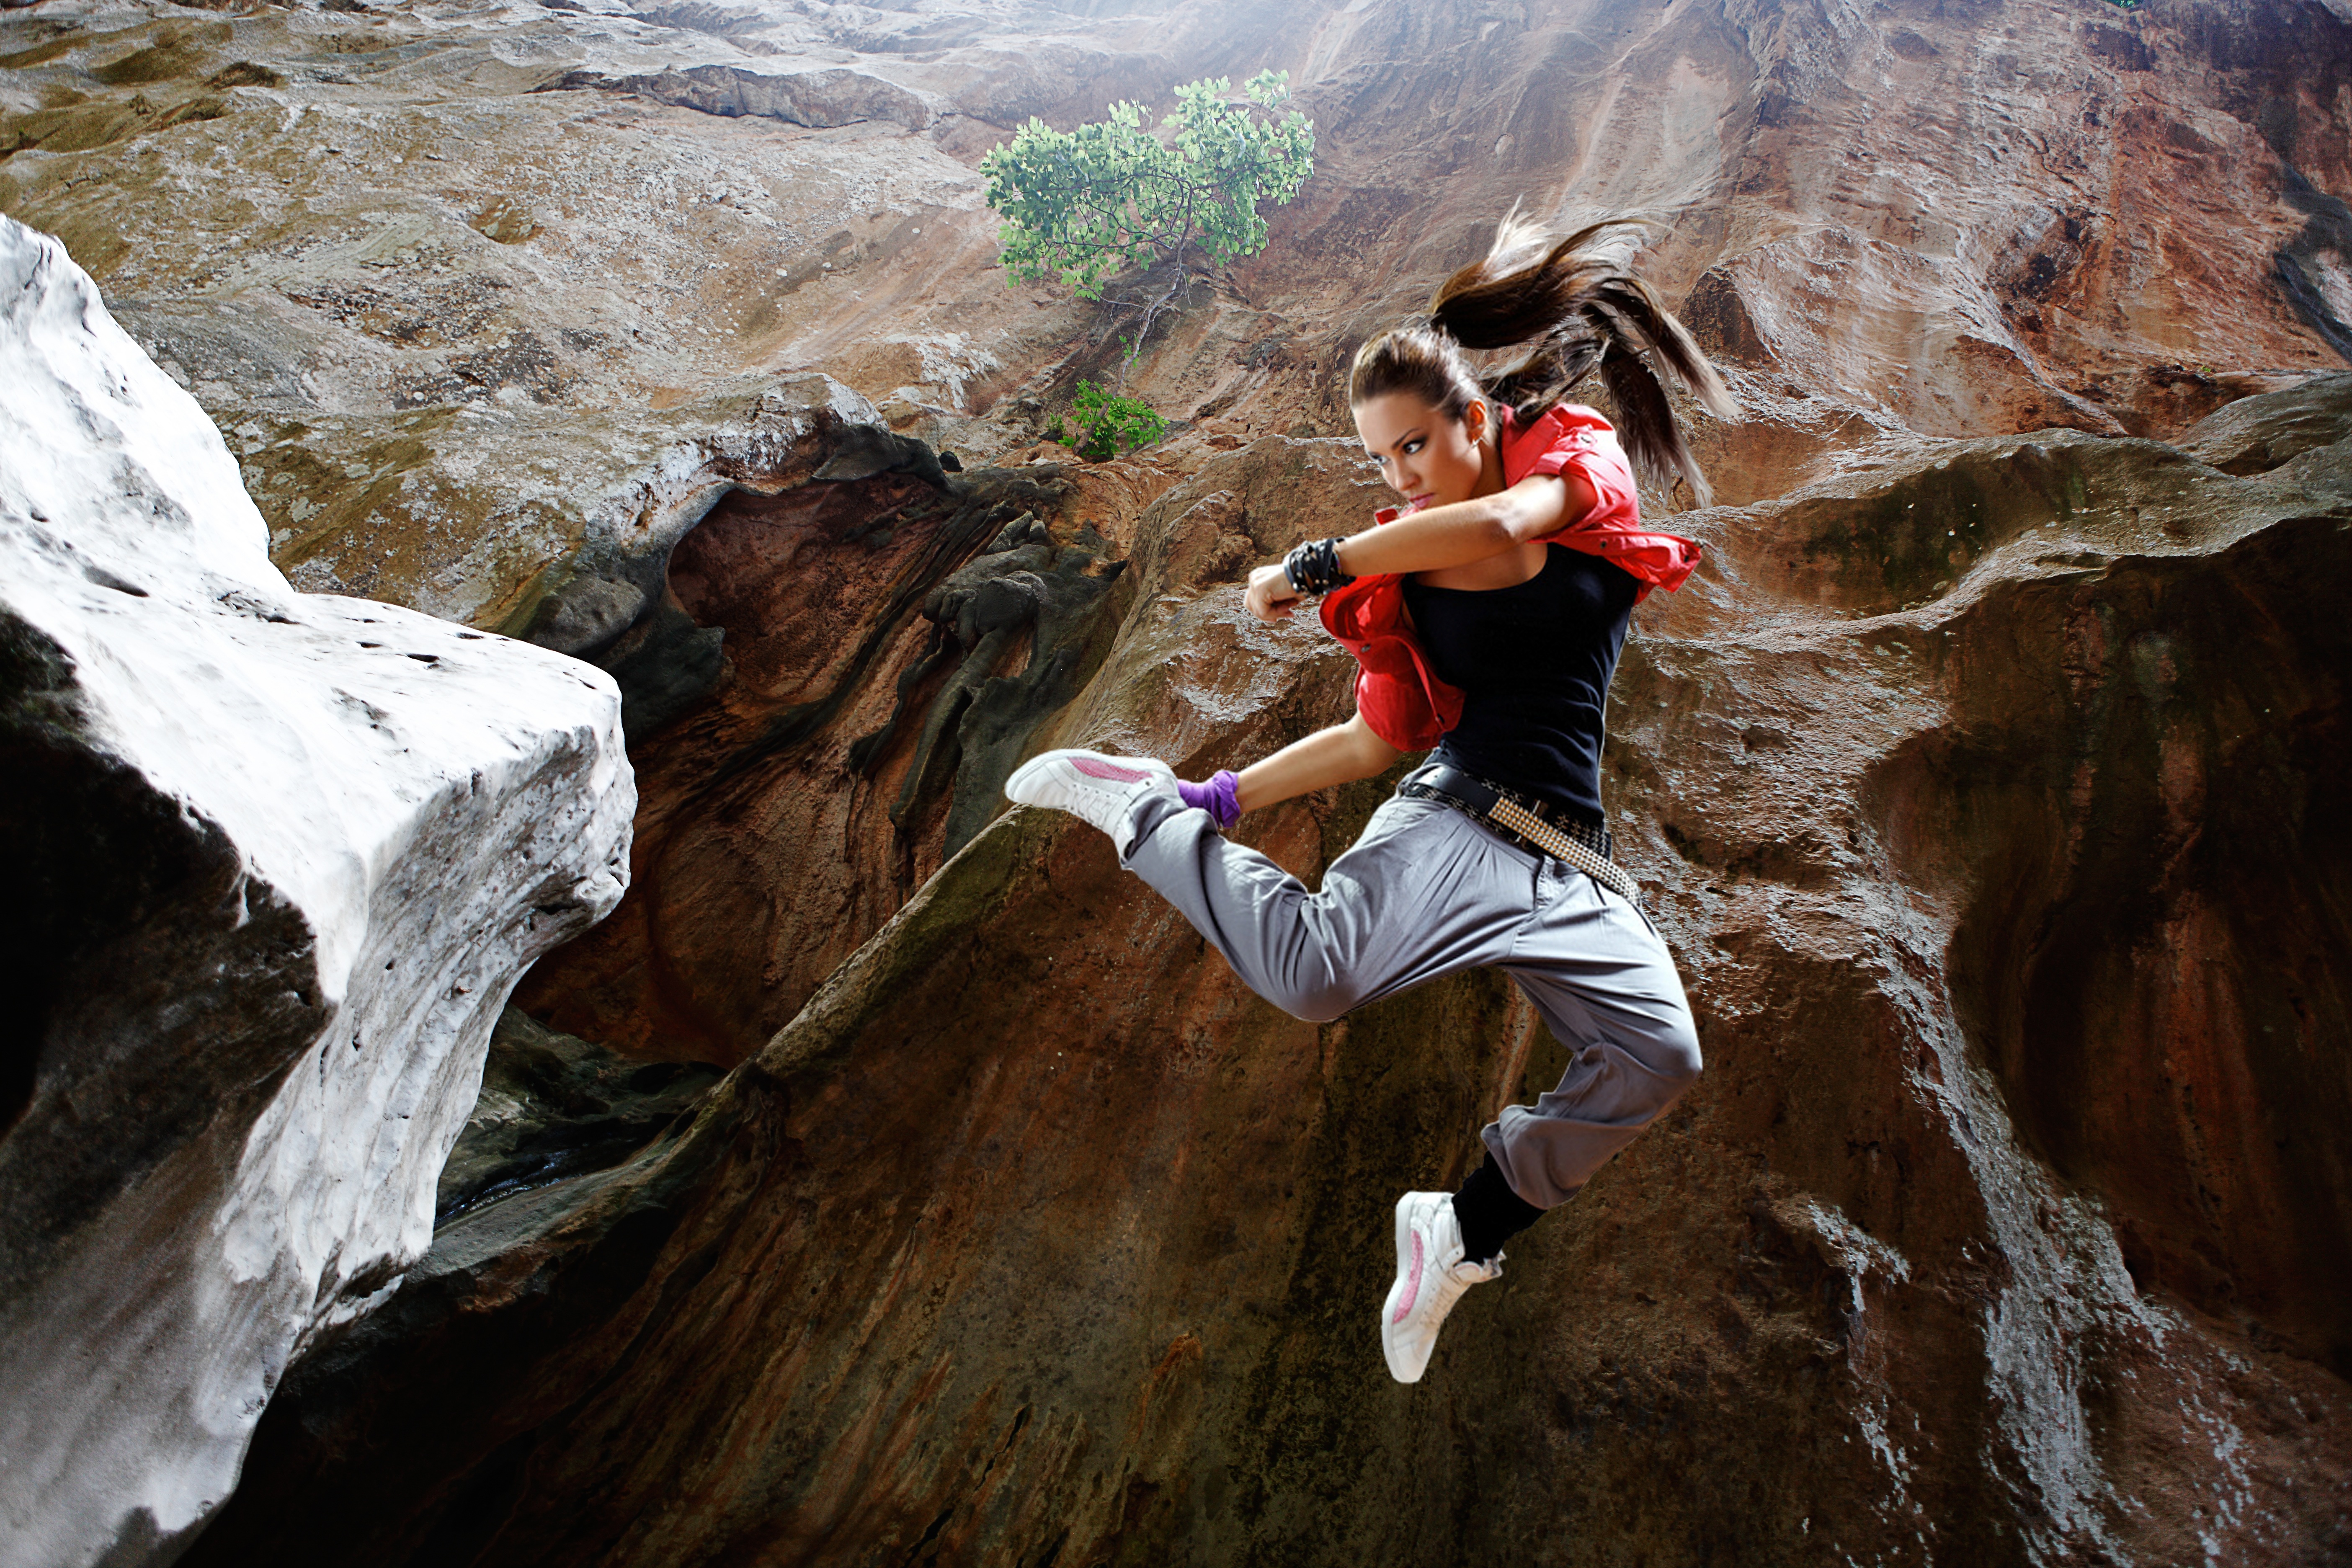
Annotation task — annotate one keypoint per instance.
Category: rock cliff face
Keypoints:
(454, 278)
(278, 859)
(1984, 782)
(1991, 1237)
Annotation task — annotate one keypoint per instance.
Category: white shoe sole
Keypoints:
(1396, 1294)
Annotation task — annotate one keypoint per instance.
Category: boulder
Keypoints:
(277, 858)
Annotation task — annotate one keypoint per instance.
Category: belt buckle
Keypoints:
(1509, 812)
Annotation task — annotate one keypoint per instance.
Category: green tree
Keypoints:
(1083, 205)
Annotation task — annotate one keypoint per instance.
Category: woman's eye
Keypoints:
(1411, 448)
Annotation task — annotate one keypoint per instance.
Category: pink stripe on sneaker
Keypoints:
(1094, 767)
(1411, 1284)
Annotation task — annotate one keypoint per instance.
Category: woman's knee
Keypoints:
(1660, 1061)
(1318, 1001)
(1313, 978)
(1318, 983)
(1676, 1055)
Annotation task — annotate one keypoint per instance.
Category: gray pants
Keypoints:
(1427, 891)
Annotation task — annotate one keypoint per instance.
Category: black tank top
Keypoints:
(1533, 663)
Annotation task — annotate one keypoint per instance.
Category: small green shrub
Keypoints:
(1109, 425)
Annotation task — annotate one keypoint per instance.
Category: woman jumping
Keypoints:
(1487, 615)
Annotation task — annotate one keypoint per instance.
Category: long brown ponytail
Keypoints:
(1579, 307)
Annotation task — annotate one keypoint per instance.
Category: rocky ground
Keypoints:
(1984, 781)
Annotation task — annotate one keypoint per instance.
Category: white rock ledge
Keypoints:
(275, 861)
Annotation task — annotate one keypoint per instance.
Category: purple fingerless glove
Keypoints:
(1218, 797)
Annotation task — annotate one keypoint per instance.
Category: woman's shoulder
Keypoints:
(1562, 419)
(1580, 417)
(1567, 433)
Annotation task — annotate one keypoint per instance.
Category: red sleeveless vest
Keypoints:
(1399, 696)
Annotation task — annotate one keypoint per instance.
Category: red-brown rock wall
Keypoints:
(1924, 1269)
(2148, 967)
(1984, 781)
(765, 855)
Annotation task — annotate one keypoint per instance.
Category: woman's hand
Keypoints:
(1270, 596)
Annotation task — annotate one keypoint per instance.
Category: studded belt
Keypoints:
(1530, 825)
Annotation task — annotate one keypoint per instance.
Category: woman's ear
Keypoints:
(1480, 419)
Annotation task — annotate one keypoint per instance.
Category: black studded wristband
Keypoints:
(1314, 567)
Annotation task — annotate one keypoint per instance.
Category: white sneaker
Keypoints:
(1091, 785)
(1431, 1277)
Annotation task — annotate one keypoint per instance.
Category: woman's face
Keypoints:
(1425, 455)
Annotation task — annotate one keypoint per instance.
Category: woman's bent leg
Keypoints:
(1422, 893)
(1605, 985)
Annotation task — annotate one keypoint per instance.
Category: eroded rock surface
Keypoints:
(881, 694)
(1991, 1235)
(554, 1105)
(1983, 781)
(278, 859)
(449, 273)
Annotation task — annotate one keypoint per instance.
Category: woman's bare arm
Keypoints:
(1469, 531)
(1340, 754)
(1442, 536)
